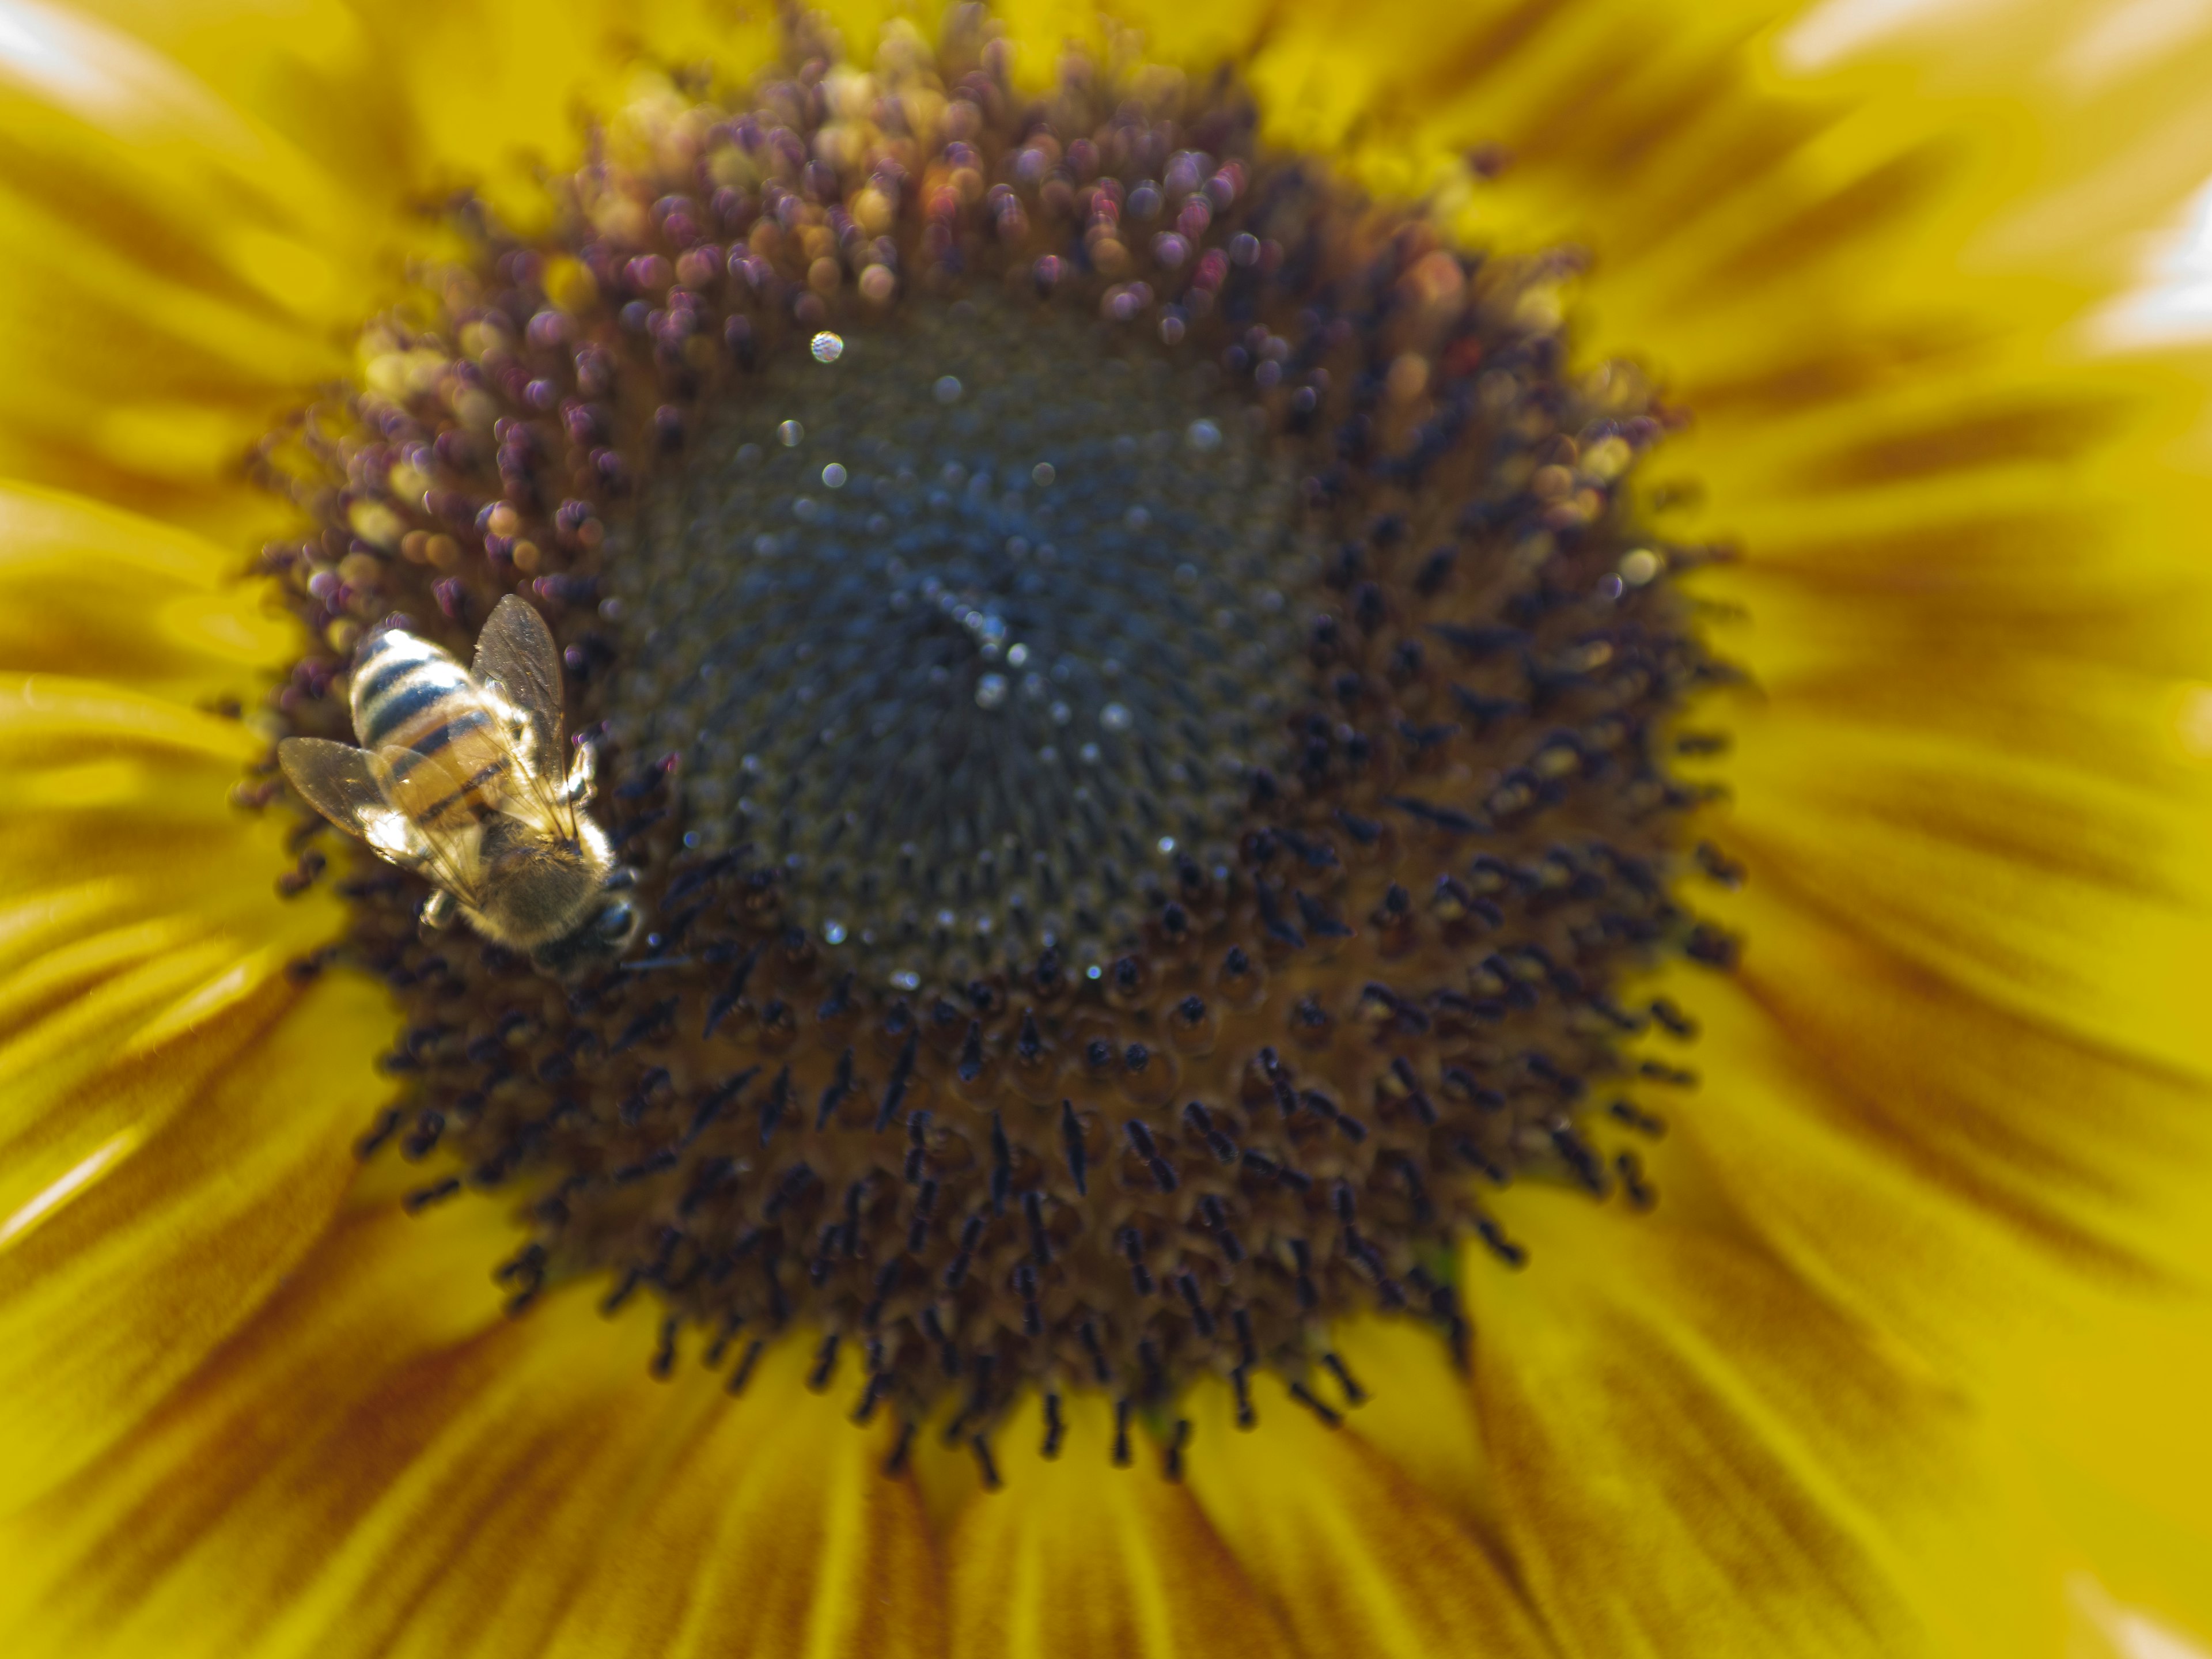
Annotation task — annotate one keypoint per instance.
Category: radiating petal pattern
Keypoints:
(173, 1136)
(1078, 1558)
(1414, 1412)
(1941, 1196)
(233, 1152)
(379, 1464)
(1354, 1557)
(1695, 1453)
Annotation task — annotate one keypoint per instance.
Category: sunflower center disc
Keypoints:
(1139, 699)
(968, 629)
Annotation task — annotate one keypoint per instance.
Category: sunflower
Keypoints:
(1421, 795)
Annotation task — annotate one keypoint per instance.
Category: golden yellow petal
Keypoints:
(1947, 1036)
(109, 1560)
(1415, 1414)
(233, 1151)
(780, 1533)
(1579, 94)
(378, 1463)
(1695, 1452)
(491, 92)
(180, 270)
(1076, 1558)
(1353, 1557)
(313, 73)
(86, 590)
(2108, 1437)
(2020, 1202)
(141, 939)
(174, 1114)
(142, 915)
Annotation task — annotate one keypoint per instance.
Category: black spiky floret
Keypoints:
(1133, 682)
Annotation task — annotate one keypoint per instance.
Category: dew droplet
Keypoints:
(827, 348)
(789, 434)
(947, 389)
(991, 691)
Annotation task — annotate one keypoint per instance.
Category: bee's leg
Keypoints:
(580, 770)
(437, 909)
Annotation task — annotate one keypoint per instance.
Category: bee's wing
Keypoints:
(517, 661)
(444, 850)
(337, 783)
(348, 786)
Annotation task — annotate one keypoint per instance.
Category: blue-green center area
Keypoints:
(975, 625)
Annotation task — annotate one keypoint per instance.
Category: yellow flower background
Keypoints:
(1913, 1355)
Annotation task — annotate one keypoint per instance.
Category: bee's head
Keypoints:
(606, 931)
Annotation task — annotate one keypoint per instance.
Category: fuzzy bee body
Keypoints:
(408, 694)
(460, 777)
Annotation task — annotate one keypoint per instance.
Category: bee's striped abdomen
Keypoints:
(409, 694)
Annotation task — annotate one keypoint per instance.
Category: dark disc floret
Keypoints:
(1135, 689)
(968, 624)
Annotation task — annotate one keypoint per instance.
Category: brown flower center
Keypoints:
(1132, 684)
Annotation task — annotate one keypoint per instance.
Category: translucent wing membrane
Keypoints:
(518, 663)
(436, 793)
(337, 783)
(355, 791)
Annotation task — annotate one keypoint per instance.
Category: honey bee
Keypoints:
(460, 777)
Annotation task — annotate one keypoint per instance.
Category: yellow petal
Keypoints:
(377, 1303)
(1928, 1153)
(379, 1464)
(491, 92)
(2020, 1202)
(2126, 1482)
(234, 1152)
(779, 1533)
(178, 270)
(288, 68)
(141, 937)
(1075, 1557)
(1695, 1452)
(144, 910)
(92, 591)
(1353, 1557)
(174, 1114)
(1415, 1414)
